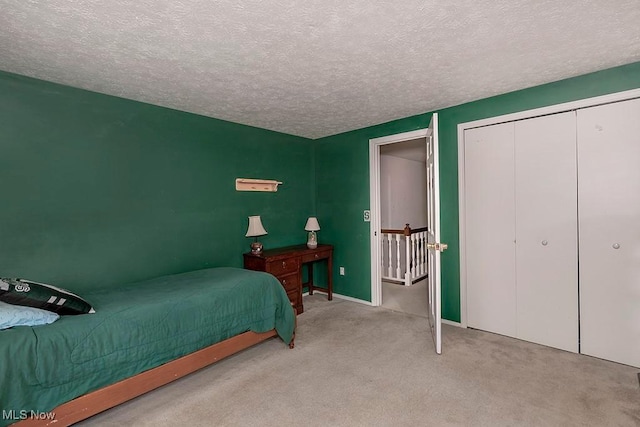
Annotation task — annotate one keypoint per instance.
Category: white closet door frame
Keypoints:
(552, 109)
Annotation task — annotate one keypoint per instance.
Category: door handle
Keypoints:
(437, 246)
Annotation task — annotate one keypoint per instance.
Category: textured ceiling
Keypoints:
(319, 67)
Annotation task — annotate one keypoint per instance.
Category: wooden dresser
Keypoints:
(286, 264)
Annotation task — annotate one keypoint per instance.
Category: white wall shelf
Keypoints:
(251, 184)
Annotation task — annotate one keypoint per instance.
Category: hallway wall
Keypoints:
(403, 194)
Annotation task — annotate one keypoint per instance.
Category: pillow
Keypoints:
(18, 315)
(38, 295)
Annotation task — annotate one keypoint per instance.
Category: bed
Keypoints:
(142, 335)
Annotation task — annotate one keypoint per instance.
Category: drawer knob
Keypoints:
(284, 264)
(284, 281)
(316, 255)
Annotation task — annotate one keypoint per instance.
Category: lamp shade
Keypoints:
(312, 224)
(255, 227)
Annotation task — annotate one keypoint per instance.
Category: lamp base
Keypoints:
(312, 240)
(256, 248)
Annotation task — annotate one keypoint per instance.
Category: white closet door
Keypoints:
(609, 221)
(490, 228)
(546, 231)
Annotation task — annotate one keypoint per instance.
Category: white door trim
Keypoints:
(374, 188)
(551, 109)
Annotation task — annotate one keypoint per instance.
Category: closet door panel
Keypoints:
(490, 228)
(609, 227)
(546, 231)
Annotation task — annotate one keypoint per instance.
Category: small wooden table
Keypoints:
(286, 264)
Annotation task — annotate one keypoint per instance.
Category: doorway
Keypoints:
(398, 197)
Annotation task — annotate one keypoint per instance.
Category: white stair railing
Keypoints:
(404, 255)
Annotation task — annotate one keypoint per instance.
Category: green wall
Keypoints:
(342, 176)
(99, 190)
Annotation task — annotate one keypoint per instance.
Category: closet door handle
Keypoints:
(616, 246)
(544, 243)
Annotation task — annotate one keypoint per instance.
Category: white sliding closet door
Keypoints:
(609, 209)
(546, 231)
(490, 228)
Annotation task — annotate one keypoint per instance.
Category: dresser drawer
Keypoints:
(294, 297)
(281, 267)
(290, 282)
(315, 256)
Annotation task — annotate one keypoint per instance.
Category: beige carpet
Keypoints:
(412, 299)
(355, 365)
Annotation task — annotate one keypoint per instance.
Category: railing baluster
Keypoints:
(414, 256)
(419, 254)
(407, 255)
(415, 263)
(423, 258)
(407, 260)
(398, 269)
(389, 255)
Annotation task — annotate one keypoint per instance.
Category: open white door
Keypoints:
(433, 230)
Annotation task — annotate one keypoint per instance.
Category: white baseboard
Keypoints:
(452, 323)
(344, 297)
(359, 301)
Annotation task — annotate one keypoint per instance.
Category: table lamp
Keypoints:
(312, 226)
(255, 229)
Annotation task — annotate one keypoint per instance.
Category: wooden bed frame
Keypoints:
(112, 395)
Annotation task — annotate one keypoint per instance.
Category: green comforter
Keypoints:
(136, 327)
